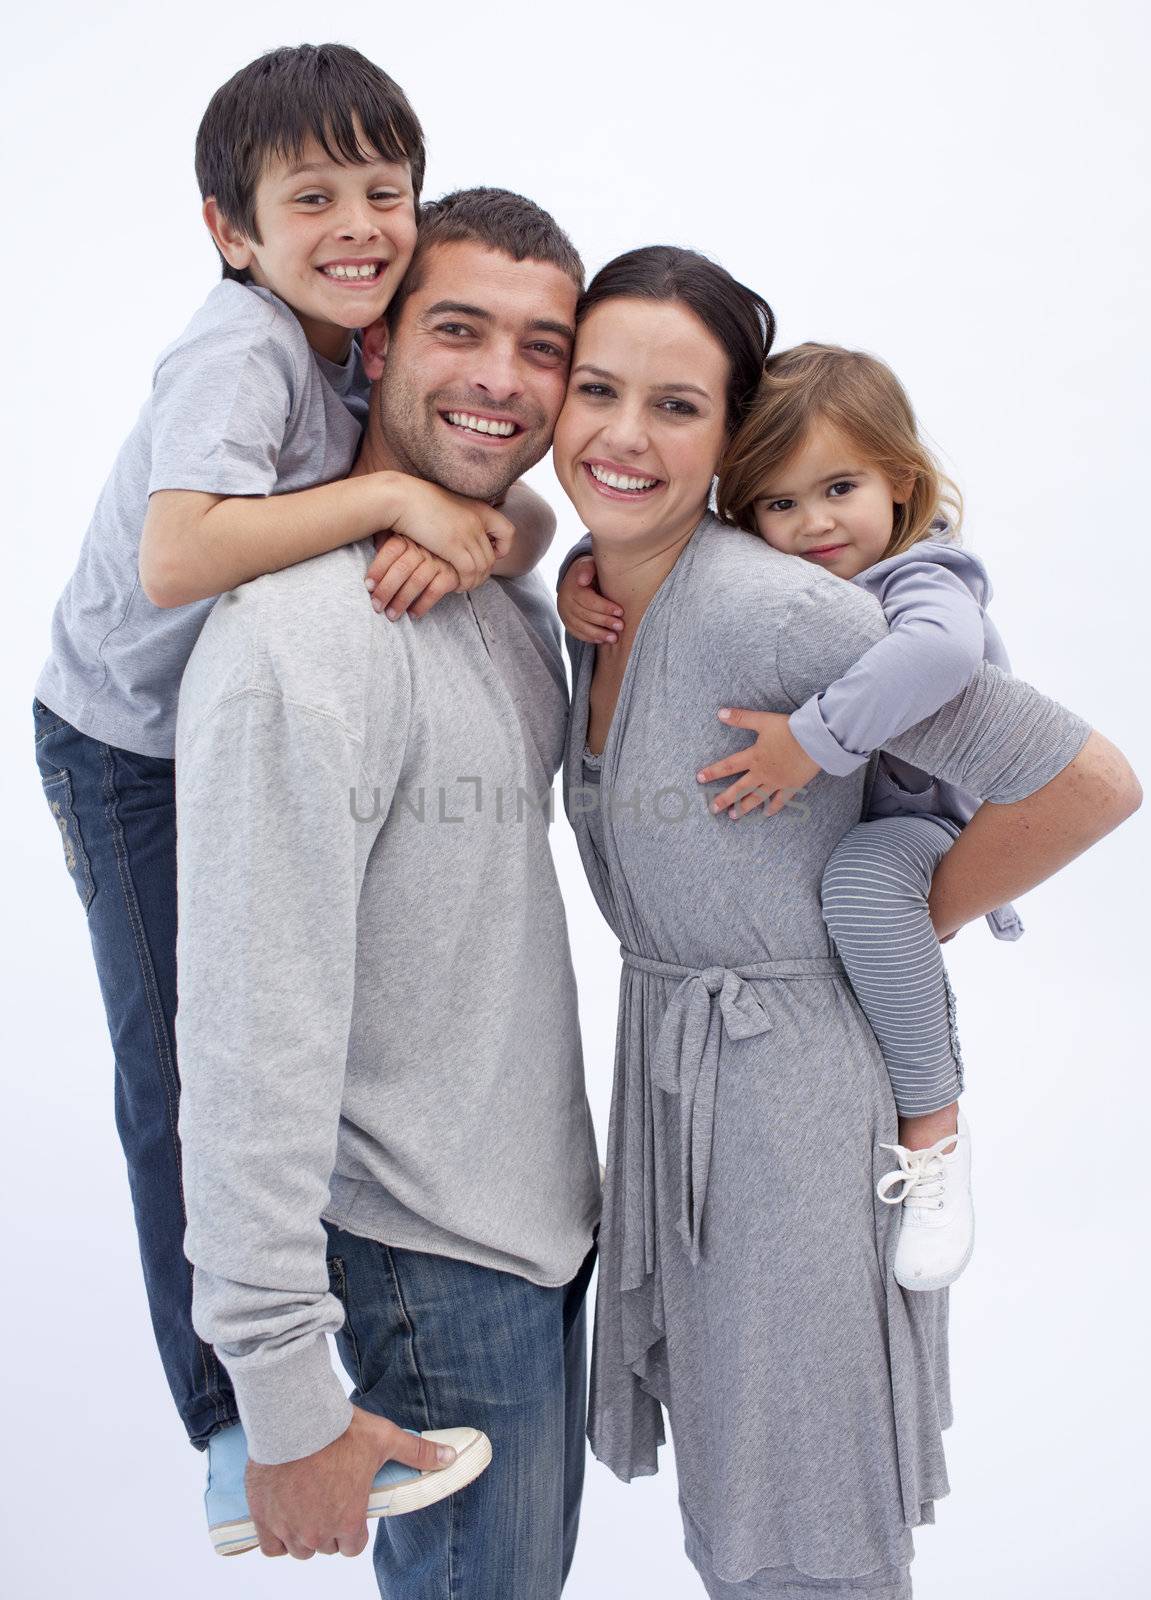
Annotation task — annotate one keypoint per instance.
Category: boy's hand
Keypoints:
(319, 1505)
(584, 612)
(774, 768)
(404, 576)
(469, 534)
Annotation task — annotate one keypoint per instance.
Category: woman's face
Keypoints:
(642, 429)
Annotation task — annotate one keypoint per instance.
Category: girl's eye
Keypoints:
(777, 505)
(836, 488)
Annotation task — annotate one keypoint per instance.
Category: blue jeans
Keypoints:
(116, 812)
(435, 1343)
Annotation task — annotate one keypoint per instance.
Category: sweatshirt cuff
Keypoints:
(583, 548)
(292, 1404)
(808, 727)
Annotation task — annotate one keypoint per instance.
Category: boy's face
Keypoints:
(336, 239)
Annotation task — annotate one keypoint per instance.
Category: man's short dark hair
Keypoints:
(496, 218)
(277, 102)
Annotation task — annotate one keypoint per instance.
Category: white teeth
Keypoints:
(618, 480)
(340, 271)
(464, 419)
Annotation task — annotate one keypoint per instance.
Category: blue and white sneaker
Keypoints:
(395, 1488)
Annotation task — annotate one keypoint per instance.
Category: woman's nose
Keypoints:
(626, 432)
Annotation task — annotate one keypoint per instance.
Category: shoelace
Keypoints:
(920, 1175)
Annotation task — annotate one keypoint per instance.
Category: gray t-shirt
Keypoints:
(240, 405)
(378, 1019)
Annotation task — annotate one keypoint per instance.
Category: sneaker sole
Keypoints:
(944, 1281)
(236, 1538)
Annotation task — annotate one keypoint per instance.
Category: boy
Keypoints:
(310, 162)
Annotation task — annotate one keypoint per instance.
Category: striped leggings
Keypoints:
(874, 893)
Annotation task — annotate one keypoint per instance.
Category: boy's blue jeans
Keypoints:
(431, 1342)
(116, 812)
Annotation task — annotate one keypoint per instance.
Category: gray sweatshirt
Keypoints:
(377, 1019)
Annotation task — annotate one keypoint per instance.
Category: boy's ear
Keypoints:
(374, 348)
(234, 246)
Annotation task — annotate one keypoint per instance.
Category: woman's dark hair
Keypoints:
(740, 320)
(276, 103)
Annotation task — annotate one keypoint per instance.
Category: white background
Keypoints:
(961, 188)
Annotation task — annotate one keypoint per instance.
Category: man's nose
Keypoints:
(498, 372)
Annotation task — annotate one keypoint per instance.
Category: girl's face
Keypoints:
(828, 505)
(643, 426)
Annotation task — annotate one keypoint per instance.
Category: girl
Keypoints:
(828, 466)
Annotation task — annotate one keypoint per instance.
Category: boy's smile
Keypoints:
(335, 239)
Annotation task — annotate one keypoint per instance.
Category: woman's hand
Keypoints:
(584, 612)
(773, 769)
(406, 577)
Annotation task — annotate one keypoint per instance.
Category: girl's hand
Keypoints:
(773, 769)
(584, 612)
(406, 577)
(468, 534)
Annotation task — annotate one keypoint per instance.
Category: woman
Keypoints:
(746, 1278)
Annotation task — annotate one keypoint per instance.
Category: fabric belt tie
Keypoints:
(708, 1003)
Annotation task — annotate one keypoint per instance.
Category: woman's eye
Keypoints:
(838, 490)
(595, 391)
(678, 408)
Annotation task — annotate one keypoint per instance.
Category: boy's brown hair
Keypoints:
(271, 107)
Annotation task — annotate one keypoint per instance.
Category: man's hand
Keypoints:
(469, 534)
(319, 1504)
(774, 768)
(406, 577)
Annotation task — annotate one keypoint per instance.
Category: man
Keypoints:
(385, 1128)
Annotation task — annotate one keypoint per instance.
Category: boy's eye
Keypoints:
(308, 199)
(384, 195)
(838, 490)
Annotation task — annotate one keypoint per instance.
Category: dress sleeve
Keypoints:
(999, 739)
(934, 646)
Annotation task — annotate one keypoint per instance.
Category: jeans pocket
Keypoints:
(58, 793)
(346, 1336)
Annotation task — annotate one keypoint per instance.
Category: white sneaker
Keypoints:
(937, 1229)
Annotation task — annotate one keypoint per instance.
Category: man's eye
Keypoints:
(836, 487)
(455, 330)
(542, 348)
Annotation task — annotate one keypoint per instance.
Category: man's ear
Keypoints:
(374, 345)
(233, 245)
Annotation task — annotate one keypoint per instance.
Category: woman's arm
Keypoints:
(1008, 849)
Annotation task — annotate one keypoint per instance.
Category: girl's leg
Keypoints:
(875, 890)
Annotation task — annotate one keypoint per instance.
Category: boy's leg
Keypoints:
(875, 890)
(432, 1343)
(117, 819)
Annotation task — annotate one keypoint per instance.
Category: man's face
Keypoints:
(476, 368)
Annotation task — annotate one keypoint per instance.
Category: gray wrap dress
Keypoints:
(745, 1261)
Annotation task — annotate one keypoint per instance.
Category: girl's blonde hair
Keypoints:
(865, 401)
